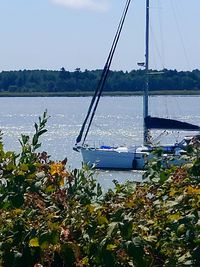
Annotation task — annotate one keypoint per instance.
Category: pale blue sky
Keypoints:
(50, 34)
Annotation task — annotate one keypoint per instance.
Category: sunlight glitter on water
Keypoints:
(118, 122)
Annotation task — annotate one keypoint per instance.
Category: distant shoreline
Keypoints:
(90, 93)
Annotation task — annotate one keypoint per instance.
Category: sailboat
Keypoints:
(129, 157)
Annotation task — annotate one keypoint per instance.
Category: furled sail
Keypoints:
(169, 124)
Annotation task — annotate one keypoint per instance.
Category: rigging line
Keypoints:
(157, 50)
(104, 72)
(180, 34)
(108, 63)
(166, 106)
(156, 139)
(178, 107)
(78, 139)
(95, 94)
(156, 47)
(160, 17)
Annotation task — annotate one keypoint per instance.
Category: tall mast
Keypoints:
(146, 89)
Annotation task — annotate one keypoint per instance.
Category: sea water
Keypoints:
(118, 121)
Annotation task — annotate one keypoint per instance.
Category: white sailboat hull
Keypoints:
(113, 159)
(123, 158)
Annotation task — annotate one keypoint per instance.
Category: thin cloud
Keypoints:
(98, 5)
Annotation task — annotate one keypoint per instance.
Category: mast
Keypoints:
(146, 89)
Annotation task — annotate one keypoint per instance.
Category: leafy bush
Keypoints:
(50, 216)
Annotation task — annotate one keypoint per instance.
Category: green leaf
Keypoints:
(36, 127)
(126, 229)
(99, 190)
(44, 245)
(111, 247)
(112, 228)
(23, 167)
(42, 132)
(68, 254)
(17, 200)
(34, 242)
(25, 139)
(35, 140)
(102, 220)
(163, 177)
(37, 146)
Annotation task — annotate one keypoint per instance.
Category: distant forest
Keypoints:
(82, 81)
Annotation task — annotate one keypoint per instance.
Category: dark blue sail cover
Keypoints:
(169, 124)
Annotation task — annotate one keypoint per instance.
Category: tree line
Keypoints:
(82, 81)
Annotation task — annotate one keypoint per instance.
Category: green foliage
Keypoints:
(27, 81)
(55, 217)
(29, 147)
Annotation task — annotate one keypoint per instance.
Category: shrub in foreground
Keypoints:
(50, 216)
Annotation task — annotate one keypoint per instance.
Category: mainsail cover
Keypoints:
(169, 124)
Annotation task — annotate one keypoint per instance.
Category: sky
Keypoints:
(51, 34)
